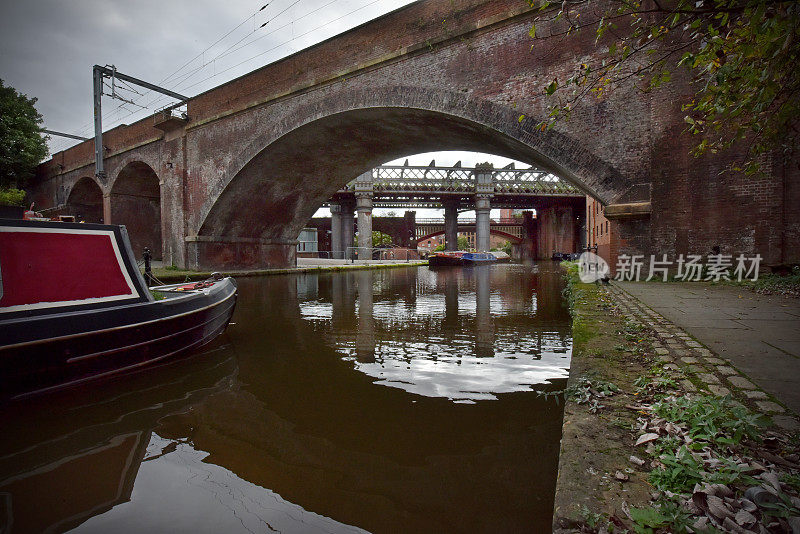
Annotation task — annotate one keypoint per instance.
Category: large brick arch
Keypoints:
(325, 143)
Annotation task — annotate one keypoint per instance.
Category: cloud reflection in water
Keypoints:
(464, 335)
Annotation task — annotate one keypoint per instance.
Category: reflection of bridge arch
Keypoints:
(510, 237)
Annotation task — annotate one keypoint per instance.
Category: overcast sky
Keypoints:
(49, 47)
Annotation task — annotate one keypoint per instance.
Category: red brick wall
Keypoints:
(420, 79)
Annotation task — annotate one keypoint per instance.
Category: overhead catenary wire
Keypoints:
(201, 54)
(190, 74)
(112, 118)
(86, 127)
(215, 43)
(115, 116)
(230, 50)
(160, 98)
(179, 80)
(282, 44)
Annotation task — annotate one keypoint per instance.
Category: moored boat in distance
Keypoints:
(74, 308)
(460, 257)
(446, 258)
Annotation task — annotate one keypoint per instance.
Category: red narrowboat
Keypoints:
(74, 308)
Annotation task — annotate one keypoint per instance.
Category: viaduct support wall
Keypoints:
(364, 208)
(255, 157)
(527, 249)
(222, 253)
(450, 224)
(556, 231)
(336, 231)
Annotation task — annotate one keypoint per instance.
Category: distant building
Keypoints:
(599, 230)
(507, 213)
(307, 245)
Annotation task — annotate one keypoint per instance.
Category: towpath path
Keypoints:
(757, 334)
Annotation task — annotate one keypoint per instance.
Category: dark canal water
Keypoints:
(399, 400)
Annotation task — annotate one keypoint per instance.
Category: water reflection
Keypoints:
(455, 336)
(288, 425)
(70, 456)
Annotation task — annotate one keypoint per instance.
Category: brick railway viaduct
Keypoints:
(231, 186)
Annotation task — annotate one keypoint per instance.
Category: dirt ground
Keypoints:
(597, 442)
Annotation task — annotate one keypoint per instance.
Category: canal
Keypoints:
(392, 400)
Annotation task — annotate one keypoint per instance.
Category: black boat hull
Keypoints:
(444, 260)
(49, 352)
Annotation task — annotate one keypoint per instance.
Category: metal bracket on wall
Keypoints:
(98, 73)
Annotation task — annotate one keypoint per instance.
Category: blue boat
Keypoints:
(478, 258)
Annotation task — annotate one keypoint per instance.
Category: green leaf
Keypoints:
(649, 517)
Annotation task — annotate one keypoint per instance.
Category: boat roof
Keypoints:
(52, 267)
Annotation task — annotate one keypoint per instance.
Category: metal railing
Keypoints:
(470, 222)
(370, 253)
(408, 179)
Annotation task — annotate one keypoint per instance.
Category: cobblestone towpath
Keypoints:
(724, 340)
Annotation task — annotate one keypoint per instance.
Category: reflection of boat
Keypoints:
(118, 460)
(76, 454)
(441, 259)
(74, 307)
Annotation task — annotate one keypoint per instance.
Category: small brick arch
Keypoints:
(135, 201)
(514, 239)
(85, 200)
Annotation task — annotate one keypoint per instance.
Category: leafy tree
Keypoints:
(12, 197)
(380, 239)
(22, 146)
(463, 244)
(742, 56)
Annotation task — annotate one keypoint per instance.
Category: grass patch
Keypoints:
(775, 284)
(712, 421)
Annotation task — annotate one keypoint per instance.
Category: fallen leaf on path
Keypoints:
(646, 438)
(745, 518)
